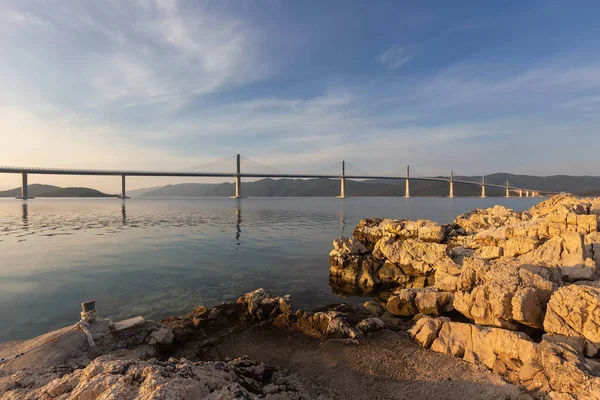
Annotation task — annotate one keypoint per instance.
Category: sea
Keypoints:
(160, 257)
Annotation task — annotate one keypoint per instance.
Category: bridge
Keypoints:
(218, 170)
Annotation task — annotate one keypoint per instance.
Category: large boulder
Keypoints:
(420, 258)
(262, 306)
(544, 367)
(370, 231)
(553, 203)
(478, 219)
(409, 302)
(574, 311)
(569, 252)
(351, 245)
(356, 272)
(447, 275)
(567, 218)
(505, 293)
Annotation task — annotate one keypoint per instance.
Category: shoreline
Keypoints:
(339, 342)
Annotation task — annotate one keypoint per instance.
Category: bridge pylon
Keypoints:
(238, 179)
(24, 193)
(483, 187)
(407, 188)
(343, 182)
(123, 188)
(451, 185)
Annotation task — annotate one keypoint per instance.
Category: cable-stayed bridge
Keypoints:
(239, 167)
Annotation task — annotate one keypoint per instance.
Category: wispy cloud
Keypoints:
(169, 54)
(394, 57)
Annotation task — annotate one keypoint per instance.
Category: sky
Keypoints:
(470, 86)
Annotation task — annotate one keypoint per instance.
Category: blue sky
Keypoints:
(477, 87)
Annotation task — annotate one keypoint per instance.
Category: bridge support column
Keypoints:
(24, 193)
(407, 188)
(123, 188)
(520, 193)
(451, 185)
(507, 190)
(343, 182)
(238, 180)
(483, 187)
(527, 193)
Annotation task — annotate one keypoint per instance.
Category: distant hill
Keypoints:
(331, 187)
(582, 185)
(140, 192)
(38, 190)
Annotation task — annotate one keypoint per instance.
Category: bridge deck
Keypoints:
(93, 172)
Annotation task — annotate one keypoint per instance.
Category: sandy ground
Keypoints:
(385, 365)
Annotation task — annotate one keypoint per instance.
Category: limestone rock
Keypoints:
(574, 310)
(505, 293)
(447, 276)
(370, 325)
(592, 247)
(351, 245)
(544, 367)
(106, 378)
(368, 232)
(578, 343)
(564, 218)
(479, 219)
(356, 271)
(322, 325)
(409, 302)
(489, 252)
(162, 337)
(553, 203)
(422, 257)
(520, 245)
(569, 253)
(262, 306)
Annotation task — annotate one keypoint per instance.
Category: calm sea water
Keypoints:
(160, 257)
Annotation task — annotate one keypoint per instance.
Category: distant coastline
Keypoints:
(581, 185)
(37, 190)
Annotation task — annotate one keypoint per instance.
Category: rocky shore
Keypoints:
(338, 352)
(497, 305)
(516, 292)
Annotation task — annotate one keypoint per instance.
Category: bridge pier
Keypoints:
(24, 189)
(483, 187)
(343, 182)
(451, 185)
(527, 193)
(123, 188)
(238, 180)
(507, 190)
(407, 188)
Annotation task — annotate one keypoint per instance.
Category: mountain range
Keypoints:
(38, 190)
(581, 185)
(586, 185)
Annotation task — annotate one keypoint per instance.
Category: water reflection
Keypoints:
(238, 221)
(25, 217)
(124, 213)
(342, 218)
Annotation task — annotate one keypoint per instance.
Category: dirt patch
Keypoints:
(384, 365)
